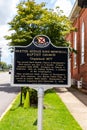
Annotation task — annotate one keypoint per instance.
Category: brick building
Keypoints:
(78, 39)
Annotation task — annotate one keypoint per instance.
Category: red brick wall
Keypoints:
(83, 68)
(80, 71)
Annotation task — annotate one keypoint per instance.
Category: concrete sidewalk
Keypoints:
(76, 102)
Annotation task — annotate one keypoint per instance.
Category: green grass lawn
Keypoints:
(55, 116)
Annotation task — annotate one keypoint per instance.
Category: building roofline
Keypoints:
(75, 11)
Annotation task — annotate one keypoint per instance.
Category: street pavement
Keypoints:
(7, 92)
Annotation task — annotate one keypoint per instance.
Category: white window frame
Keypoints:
(75, 47)
(82, 43)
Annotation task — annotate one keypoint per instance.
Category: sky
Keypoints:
(8, 11)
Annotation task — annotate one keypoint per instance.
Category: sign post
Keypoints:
(41, 66)
(40, 107)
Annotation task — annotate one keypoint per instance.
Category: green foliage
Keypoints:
(27, 100)
(4, 66)
(33, 19)
(30, 97)
(33, 97)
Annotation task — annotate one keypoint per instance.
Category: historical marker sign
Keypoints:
(41, 64)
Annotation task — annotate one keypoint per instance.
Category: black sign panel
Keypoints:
(43, 65)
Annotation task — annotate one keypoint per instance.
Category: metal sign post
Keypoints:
(40, 107)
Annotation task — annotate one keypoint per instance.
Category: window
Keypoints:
(75, 47)
(82, 44)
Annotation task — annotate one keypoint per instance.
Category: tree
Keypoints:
(33, 19)
(3, 66)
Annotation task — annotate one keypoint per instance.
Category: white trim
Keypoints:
(82, 43)
(75, 11)
(75, 47)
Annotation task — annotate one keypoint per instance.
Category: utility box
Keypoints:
(79, 84)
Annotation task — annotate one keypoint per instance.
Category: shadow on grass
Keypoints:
(50, 91)
(61, 90)
(15, 108)
(35, 122)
